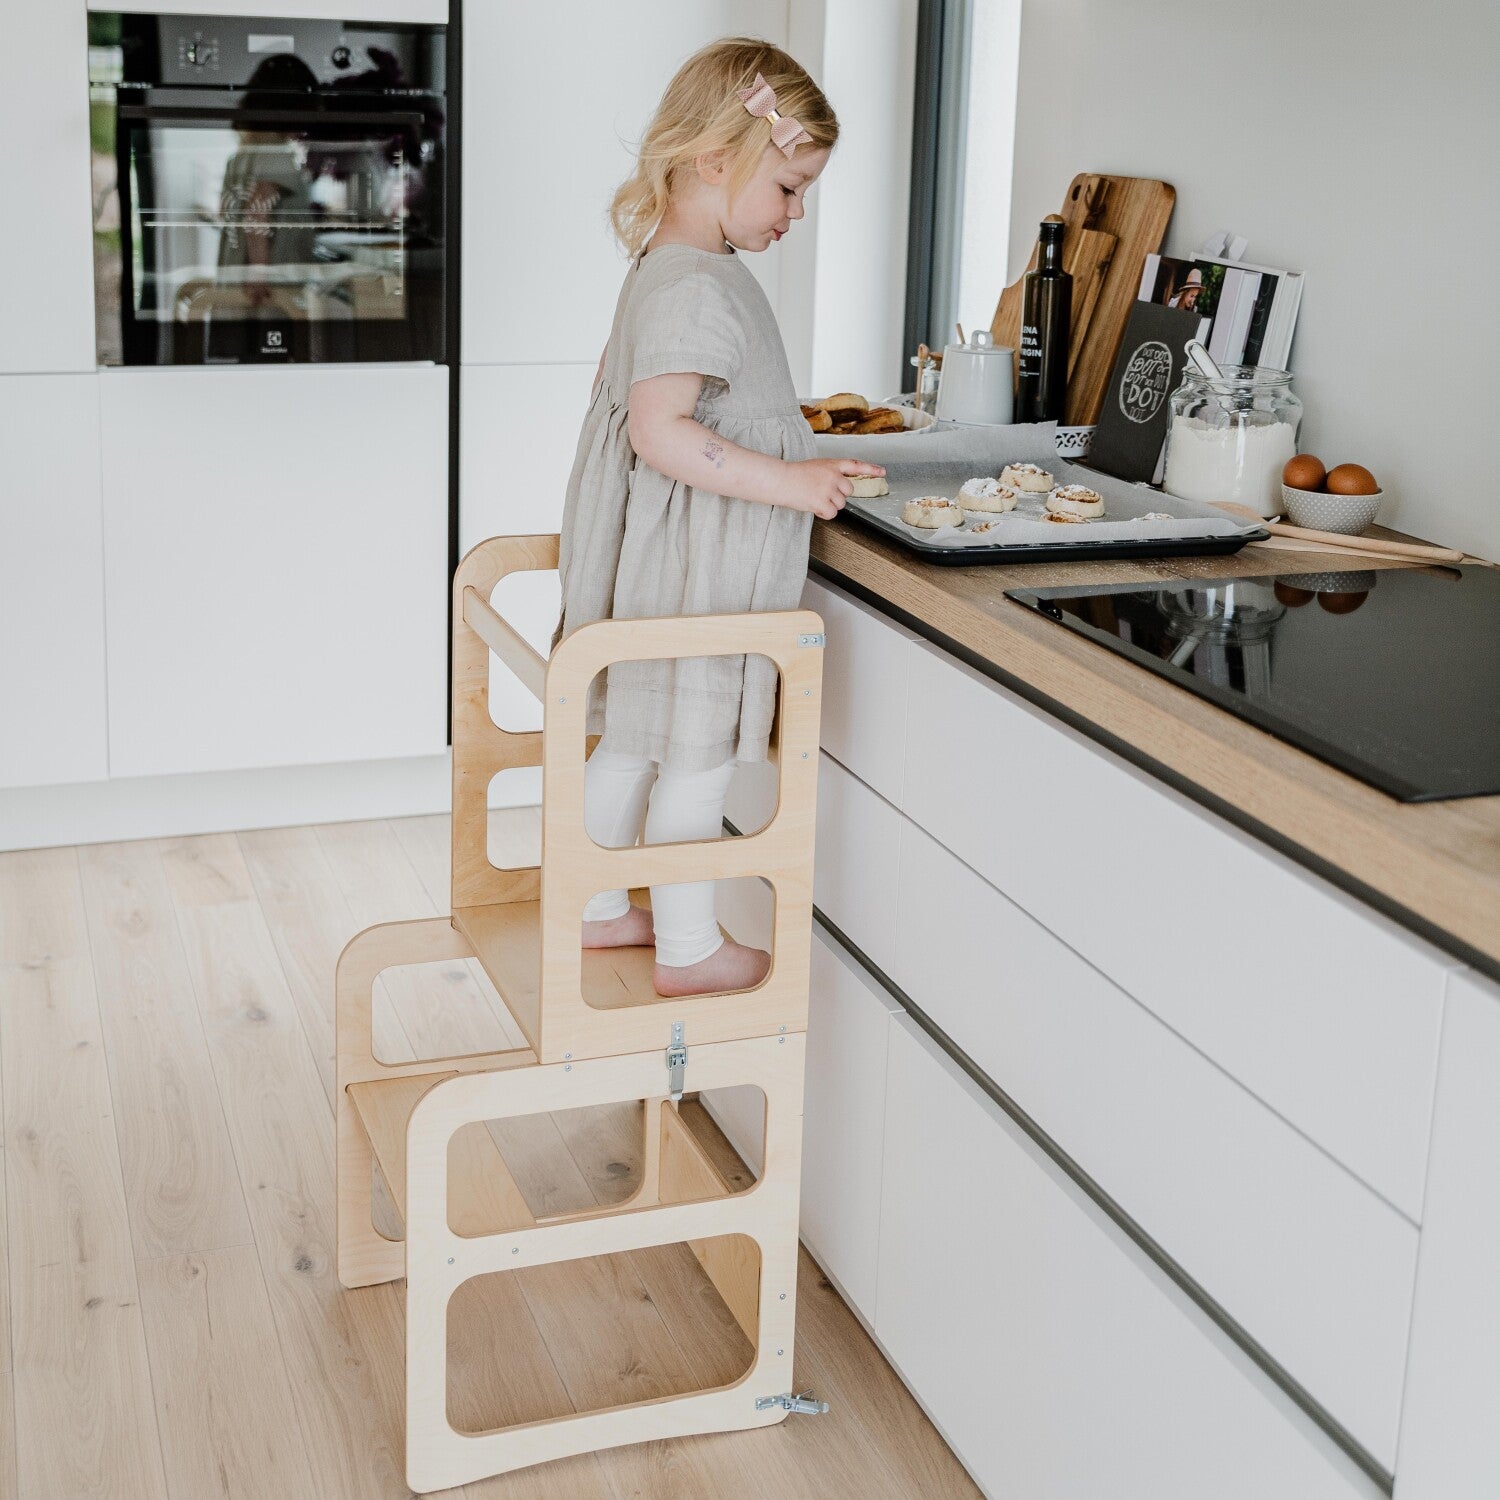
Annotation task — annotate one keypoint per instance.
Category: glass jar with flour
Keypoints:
(1229, 439)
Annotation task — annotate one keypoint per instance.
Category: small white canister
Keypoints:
(979, 382)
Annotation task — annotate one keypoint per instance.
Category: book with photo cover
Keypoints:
(1248, 312)
(1133, 420)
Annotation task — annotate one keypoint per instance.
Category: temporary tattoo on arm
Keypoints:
(714, 453)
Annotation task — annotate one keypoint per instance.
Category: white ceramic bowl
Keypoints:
(1349, 515)
(1073, 442)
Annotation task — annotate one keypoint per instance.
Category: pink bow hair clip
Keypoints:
(760, 100)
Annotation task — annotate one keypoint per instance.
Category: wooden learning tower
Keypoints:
(598, 1033)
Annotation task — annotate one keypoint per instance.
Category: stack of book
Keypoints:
(1247, 313)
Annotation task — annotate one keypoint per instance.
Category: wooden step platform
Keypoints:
(483, 1197)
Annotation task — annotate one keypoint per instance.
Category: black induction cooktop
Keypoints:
(1392, 676)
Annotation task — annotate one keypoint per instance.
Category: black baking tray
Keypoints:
(1080, 551)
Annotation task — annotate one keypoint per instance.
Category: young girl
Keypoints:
(695, 483)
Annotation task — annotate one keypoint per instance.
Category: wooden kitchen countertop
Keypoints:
(1435, 866)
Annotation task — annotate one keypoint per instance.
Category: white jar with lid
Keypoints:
(1229, 439)
(978, 382)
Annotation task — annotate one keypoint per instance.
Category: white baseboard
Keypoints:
(141, 807)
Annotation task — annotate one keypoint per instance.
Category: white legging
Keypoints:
(684, 805)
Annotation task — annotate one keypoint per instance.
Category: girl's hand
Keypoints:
(821, 485)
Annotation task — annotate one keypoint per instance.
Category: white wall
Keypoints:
(1358, 142)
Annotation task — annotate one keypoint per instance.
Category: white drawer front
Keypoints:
(865, 666)
(1055, 1361)
(1308, 1260)
(854, 882)
(843, 1119)
(1319, 1006)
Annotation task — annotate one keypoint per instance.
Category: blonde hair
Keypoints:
(701, 112)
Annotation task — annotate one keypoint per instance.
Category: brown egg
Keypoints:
(1304, 472)
(1342, 604)
(1352, 479)
(1290, 594)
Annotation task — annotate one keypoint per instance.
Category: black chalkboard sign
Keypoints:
(1133, 419)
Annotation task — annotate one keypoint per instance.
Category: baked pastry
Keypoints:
(980, 527)
(1156, 515)
(932, 511)
(1065, 520)
(817, 418)
(987, 494)
(868, 486)
(1026, 477)
(847, 426)
(882, 419)
(844, 401)
(1075, 500)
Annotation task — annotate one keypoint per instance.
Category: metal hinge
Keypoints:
(676, 1063)
(802, 1404)
(811, 640)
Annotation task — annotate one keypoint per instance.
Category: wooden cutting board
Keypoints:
(1113, 224)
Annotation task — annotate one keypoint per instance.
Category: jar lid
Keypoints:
(981, 341)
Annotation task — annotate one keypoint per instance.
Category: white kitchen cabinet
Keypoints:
(865, 666)
(1056, 1360)
(520, 427)
(854, 885)
(52, 692)
(518, 433)
(1321, 1007)
(276, 565)
(843, 1119)
(47, 252)
(1450, 1444)
(1313, 1264)
(541, 267)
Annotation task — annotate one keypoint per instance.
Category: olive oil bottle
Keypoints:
(1046, 329)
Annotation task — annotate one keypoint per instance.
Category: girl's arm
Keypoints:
(663, 432)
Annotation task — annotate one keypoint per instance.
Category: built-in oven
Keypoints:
(267, 191)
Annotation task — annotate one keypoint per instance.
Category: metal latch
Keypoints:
(811, 640)
(803, 1404)
(676, 1063)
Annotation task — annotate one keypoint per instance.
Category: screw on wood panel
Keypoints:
(781, 1028)
(515, 1249)
(567, 1054)
(804, 755)
(780, 1352)
(450, 1260)
(567, 1067)
(781, 1296)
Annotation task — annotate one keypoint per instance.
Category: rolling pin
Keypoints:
(1376, 546)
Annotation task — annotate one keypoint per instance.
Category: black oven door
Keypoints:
(273, 230)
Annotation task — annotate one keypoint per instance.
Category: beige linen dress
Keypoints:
(636, 544)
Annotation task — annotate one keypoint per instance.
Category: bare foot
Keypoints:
(730, 967)
(633, 930)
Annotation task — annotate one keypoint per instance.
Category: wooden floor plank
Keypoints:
(8, 1479)
(225, 1407)
(180, 1180)
(83, 1417)
(310, 922)
(282, 1131)
(261, 919)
